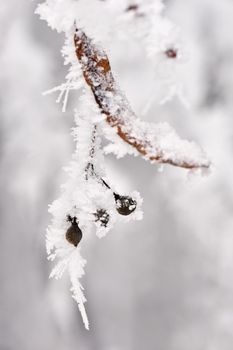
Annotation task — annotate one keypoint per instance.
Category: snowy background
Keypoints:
(165, 282)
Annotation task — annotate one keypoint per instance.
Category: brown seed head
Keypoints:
(74, 233)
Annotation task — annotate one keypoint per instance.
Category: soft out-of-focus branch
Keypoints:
(154, 142)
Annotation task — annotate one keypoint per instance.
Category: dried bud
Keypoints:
(102, 216)
(132, 8)
(125, 205)
(73, 234)
(171, 53)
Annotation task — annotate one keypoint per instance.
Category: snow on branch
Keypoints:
(89, 201)
(155, 142)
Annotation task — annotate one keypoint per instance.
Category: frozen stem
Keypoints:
(146, 138)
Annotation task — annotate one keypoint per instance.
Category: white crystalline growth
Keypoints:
(84, 196)
(159, 141)
(74, 79)
(87, 199)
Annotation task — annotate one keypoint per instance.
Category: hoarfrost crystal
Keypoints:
(88, 201)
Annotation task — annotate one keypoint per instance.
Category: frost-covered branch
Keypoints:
(154, 142)
(89, 202)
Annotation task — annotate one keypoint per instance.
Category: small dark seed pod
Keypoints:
(171, 53)
(73, 234)
(125, 205)
(132, 8)
(102, 216)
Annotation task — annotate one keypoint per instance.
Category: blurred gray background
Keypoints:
(164, 283)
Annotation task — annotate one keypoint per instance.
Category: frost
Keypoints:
(88, 203)
(86, 196)
(73, 77)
